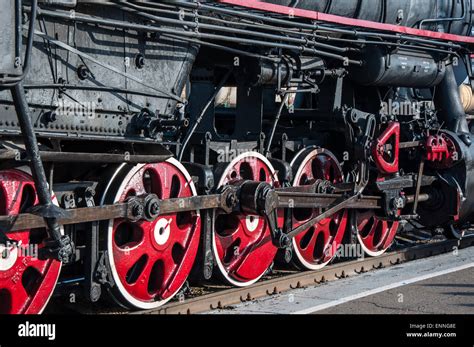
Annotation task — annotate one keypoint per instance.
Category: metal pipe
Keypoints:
(275, 123)
(75, 157)
(223, 48)
(198, 35)
(66, 86)
(310, 34)
(355, 33)
(449, 104)
(452, 19)
(32, 150)
(136, 9)
(18, 28)
(410, 199)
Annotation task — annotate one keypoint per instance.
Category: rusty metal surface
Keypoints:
(297, 199)
(26, 221)
(122, 210)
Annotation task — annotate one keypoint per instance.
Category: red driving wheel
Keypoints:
(26, 281)
(150, 261)
(375, 234)
(317, 246)
(242, 243)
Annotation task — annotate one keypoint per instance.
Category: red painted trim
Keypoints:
(323, 17)
(378, 150)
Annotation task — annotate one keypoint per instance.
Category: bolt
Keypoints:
(155, 208)
(95, 293)
(207, 272)
(137, 210)
(283, 241)
(139, 61)
(288, 255)
(398, 202)
(210, 183)
(82, 72)
(89, 193)
(231, 200)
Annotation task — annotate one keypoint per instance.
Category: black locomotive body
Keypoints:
(146, 143)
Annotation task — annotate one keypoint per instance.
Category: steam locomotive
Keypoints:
(145, 144)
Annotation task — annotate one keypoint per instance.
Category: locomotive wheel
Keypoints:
(454, 232)
(150, 261)
(317, 246)
(242, 244)
(26, 282)
(375, 235)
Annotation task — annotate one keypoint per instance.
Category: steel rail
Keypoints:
(228, 297)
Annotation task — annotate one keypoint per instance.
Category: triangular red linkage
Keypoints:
(378, 150)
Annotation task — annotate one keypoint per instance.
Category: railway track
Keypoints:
(408, 247)
(224, 298)
(227, 297)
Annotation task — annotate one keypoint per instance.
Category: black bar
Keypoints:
(75, 157)
(32, 150)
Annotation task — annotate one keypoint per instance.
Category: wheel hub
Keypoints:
(251, 223)
(162, 231)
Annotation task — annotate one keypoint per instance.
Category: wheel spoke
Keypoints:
(128, 258)
(307, 250)
(369, 239)
(246, 265)
(20, 298)
(157, 272)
